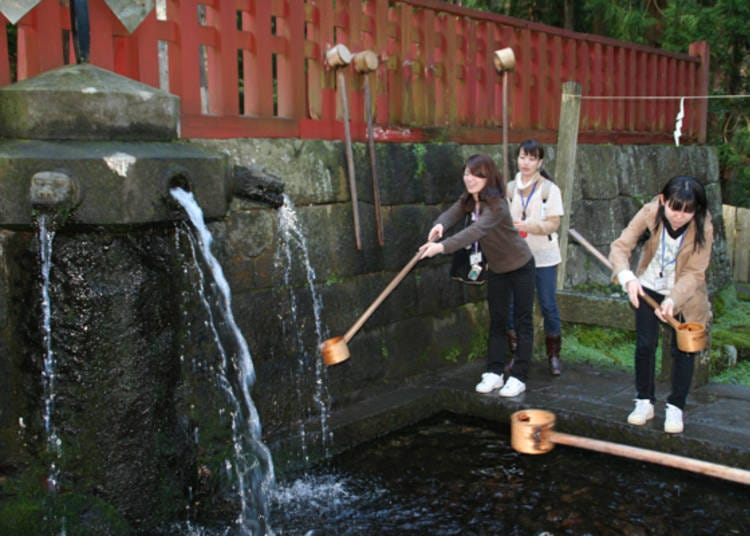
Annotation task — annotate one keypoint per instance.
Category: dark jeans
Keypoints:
(500, 287)
(647, 339)
(546, 292)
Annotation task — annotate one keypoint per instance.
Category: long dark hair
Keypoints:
(686, 194)
(534, 148)
(482, 165)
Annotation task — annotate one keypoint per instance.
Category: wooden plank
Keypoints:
(567, 147)
(728, 213)
(742, 246)
(701, 50)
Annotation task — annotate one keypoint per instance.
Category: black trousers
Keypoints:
(520, 284)
(647, 339)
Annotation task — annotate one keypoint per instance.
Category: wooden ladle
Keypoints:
(335, 350)
(532, 432)
(691, 336)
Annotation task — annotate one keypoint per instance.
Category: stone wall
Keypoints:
(428, 321)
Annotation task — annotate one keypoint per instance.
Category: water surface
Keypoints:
(454, 476)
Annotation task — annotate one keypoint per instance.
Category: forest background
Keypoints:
(672, 25)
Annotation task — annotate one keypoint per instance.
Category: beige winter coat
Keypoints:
(689, 294)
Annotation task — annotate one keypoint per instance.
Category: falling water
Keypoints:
(54, 444)
(254, 476)
(293, 240)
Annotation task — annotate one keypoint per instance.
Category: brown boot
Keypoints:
(553, 353)
(512, 338)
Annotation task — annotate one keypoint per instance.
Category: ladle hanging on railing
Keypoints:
(505, 62)
(337, 57)
(691, 336)
(366, 62)
(532, 432)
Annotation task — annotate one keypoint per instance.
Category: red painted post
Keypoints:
(380, 88)
(5, 74)
(596, 87)
(619, 121)
(632, 105)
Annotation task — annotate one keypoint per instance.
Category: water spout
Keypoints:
(56, 193)
(257, 184)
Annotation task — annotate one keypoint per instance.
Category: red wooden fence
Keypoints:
(251, 68)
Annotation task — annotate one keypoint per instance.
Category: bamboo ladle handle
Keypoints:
(532, 432)
(350, 159)
(383, 295)
(670, 460)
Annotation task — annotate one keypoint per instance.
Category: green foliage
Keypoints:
(731, 327)
(478, 349)
(734, 158)
(37, 512)
(420, 150)
(739, 375)
(627, 21)
(673, 25)
(453, 355)
(599, 346)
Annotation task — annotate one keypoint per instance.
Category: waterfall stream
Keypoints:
(293, 245)
(54, 443)
(252, 463)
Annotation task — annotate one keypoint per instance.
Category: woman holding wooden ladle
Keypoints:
(669, 281)
(496, 247)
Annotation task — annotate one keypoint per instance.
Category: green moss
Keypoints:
(731, 327)
(600, 289)
(608, 347)
(453, 355)
(597, 345)
(21, 518)
(39, 513)
(739, 375)
(478, 348)
(384, 348)
(420, 150)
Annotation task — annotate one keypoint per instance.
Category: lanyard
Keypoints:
(525, 204)
(475, 217)
(663, 249)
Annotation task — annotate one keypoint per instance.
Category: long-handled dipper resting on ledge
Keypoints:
(532, 432)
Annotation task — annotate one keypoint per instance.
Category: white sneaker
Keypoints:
(512, 387)
(644, 410)
(673, 420)
(490, 381)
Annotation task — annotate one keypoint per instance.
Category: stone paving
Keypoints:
(586, 401)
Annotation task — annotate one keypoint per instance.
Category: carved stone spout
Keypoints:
(257, 184)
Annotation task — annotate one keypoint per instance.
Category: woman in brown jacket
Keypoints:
(672, 270)
(510, 268)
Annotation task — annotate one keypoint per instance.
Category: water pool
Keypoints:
(451, 476)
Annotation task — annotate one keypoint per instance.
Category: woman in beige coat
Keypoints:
(672, 270)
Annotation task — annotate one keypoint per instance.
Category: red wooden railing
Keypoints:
(245, 68)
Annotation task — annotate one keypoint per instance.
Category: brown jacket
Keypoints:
(689, 294)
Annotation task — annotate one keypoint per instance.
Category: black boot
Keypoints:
(553, 343)
(512, 338)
